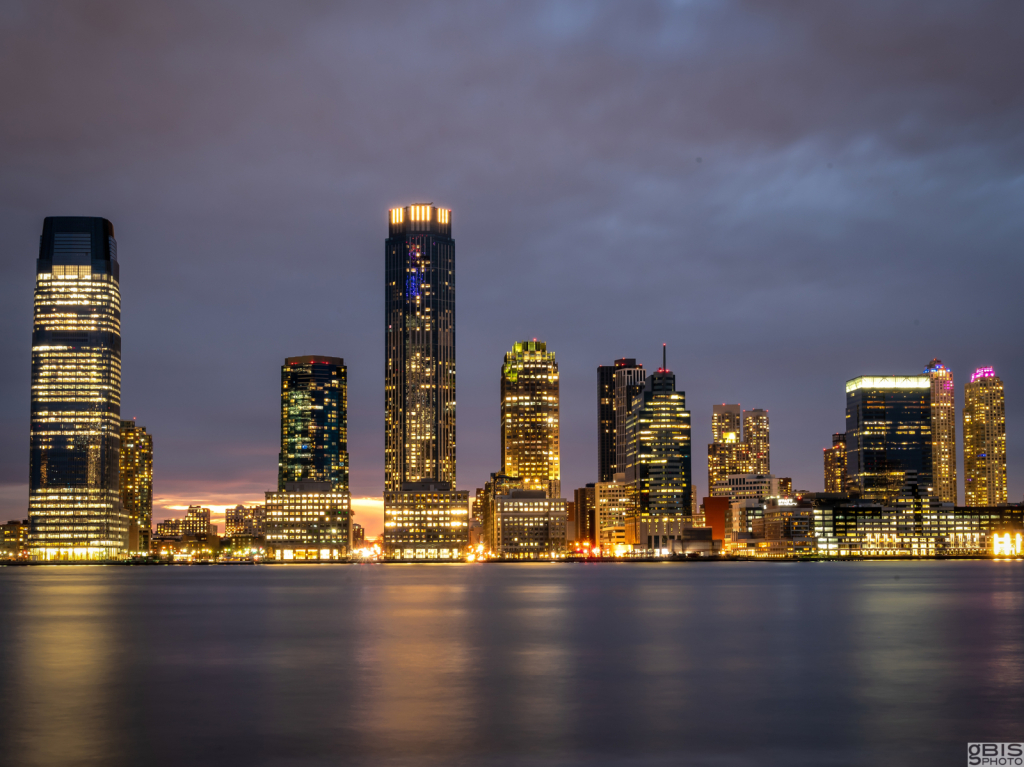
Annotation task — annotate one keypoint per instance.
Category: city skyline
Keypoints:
(606, 237)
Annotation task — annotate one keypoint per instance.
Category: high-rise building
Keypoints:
(984, 440)
(426, 520)
(888, 433)
(629, 382)
(74, 494)
(835, 465)
(609, 402)
(755, 437)
(658, 458)
(308, 521)
(586, 514)
(726, 423)
(419, 376)
(314, 421)
(136, 472)
(530, 417)
(943, 431)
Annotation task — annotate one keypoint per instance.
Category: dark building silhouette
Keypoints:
(74, 500)
(608, 420)
(314, 421)
(419, 376)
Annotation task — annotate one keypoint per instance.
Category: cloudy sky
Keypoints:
(787, 194)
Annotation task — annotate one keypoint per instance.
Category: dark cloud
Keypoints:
(788, 194)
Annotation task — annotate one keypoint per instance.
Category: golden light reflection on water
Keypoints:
(63, 681)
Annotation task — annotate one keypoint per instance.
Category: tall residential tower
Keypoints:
(314, 421)
(74, 493)
(616, 385)
(943, 431)
(984, 440)
(136, 469)
(419, 376)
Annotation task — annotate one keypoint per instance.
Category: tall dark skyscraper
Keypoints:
(610, 423)
(74, 493)
(314, 422)
(888, 433)
(419, 376)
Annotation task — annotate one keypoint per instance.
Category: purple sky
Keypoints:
(788, 194)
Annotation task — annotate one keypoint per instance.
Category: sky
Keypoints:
(787, 194)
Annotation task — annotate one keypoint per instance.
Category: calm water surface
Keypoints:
(705, 664)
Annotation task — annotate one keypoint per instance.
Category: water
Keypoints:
(598, 664)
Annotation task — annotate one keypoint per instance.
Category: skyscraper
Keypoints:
(984, 440)
(755, 437)
(629, 381)
(727, 453)
(314, 421)
(530, 417)
(74, 495)
(835, 465)
(419, 376)
(658, 459)
(726, 424)
(888, 433)
(612, 402)
(136, 470)
(943, 431)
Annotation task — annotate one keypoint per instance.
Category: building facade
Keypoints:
(314, 421)
(984, 440)
(943, 409)
(419, 376)
(530, 417)
(629, 382)
(608, 422)
(888, 434)
(308, 521)
(196, 522)
(136, 483)
(498, 484)
(529, 525)
(613, 502)
(426, 521)
(658, 462)
(247, 521)
(741, 443)
(585, 501)
(835, 465)
(74, 492)
(755, 437)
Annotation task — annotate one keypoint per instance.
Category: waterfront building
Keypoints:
(888, 433)
(498, 484)
(249, 521)
(136, 483)
(14, 540)
(943, 410)
(530, 417)
(419, 388)
(196, 522)
(613, 501)
(629, 382)
(585, 501)
(74, 493)
(529, 525)
(835, 465)
(609, 425)
(426, 521)
(658, 459)
(984, 440)
(314, 421)
(308, 521)
(755, 437)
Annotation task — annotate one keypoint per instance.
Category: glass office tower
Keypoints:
(314, 421)
(136, 469)
(888, 433)
(74, 496)
(530, 418)
(984, 440)
(419, 376)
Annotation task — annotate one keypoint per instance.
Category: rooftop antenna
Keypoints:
(664, 364)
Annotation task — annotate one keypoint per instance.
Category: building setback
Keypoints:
(530, 417)
(75, 508)
(419, 347)
(984, 440)
(314, 421)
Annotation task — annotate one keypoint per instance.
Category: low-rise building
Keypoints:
(426, 521)
(308, 521)
(529, 525)
(14, 544)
